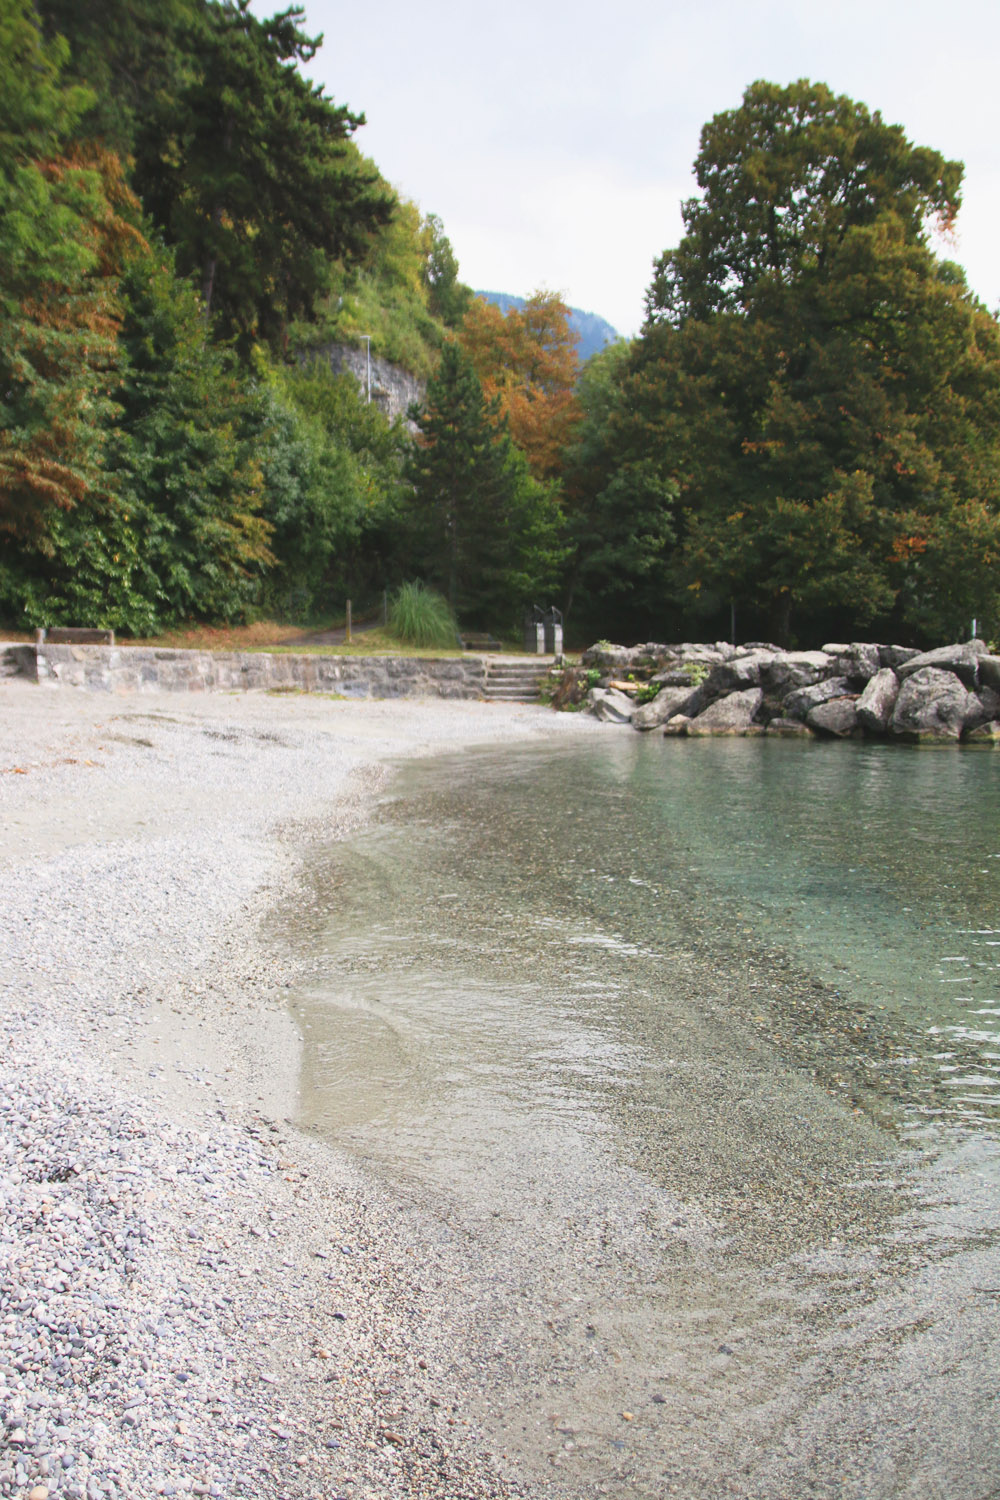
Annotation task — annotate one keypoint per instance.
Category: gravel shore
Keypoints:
(196, 1298)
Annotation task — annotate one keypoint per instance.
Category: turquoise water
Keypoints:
(674, 1037)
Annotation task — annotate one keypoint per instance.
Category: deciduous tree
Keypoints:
(526, 358)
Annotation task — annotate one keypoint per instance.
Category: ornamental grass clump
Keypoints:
(421, 617)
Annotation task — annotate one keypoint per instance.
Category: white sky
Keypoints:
(556, 139)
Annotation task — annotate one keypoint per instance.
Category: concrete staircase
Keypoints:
(17, 661)
(510, 681)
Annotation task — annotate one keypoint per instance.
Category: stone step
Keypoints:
(17, 661)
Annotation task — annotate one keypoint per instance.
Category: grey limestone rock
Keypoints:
(739, 673)
(668, 701)
(798, 704)
(679, 724)
(983, 707)
(878, 700)
(986, 734)
(989, 670)
(837, 717)
(895, 656)
(859, 661)
(795, 669)
(961, 659)
(788, 727)
(730, 715)
(610, 706)
(932, 705)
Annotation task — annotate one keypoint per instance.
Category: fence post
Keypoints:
(347, 632)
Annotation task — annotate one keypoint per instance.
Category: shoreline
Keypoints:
(195, 1297)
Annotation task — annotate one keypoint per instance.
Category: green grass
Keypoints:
(420, 617)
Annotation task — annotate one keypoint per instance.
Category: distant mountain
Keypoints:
(594, 332)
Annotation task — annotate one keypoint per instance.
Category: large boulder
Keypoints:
(878, 700)
(859, 661)
(986, 734)
(962, 659)
(679, 724)
(730, 715)
(668, 701)
(739, 673)
(798, 704)
(932, 705)
(982, 708)
(795, 669)
(837, 717)
(895, 656)
(610, 706)
(989, 671)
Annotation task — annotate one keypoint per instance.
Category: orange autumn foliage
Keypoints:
(527, 357)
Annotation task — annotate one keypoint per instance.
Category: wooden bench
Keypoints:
(470, 640)
(73, 635)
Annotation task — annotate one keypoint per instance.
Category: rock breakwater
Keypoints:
(843, 690)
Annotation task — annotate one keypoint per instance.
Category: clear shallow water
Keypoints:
(645, 1023)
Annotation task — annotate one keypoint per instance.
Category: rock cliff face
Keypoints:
(393, 389)
(840, 692)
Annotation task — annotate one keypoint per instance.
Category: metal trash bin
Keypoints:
(534, 631)
(554, 632)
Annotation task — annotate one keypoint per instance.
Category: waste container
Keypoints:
(534, 631)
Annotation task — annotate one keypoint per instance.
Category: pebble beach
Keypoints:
(196, 1297)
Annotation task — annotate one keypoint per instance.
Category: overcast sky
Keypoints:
(556, 139)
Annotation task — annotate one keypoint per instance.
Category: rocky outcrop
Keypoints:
(393, 389)
(844, 690)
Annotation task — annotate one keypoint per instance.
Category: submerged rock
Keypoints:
(788, 727)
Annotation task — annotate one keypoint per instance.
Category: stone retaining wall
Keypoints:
(132, 669)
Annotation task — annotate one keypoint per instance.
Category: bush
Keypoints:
(421, 617)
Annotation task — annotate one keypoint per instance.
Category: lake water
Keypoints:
(691, 1052)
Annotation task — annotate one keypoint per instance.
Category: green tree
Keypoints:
(332, 469)
(619, 509)
(481, 529)
(131, 54)
(64, 236)
(449, 298)
(819, 388)
(249, 173)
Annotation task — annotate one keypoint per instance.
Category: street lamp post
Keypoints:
(368, 345)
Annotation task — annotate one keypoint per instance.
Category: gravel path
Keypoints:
(195, 1298)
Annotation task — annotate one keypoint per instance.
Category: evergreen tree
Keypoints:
(248, 172)
(482, 530)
